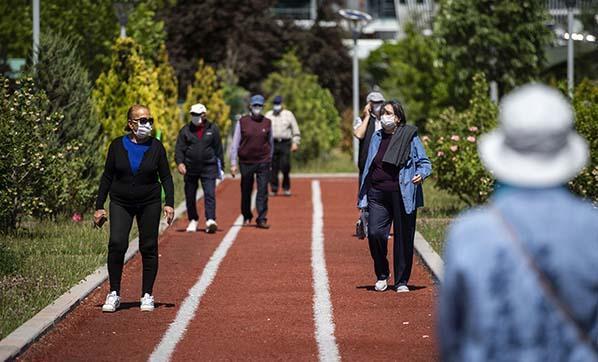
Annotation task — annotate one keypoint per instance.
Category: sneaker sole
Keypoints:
(147, 309)
(381, 290)
(108, 309)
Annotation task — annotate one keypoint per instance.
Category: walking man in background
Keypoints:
(287, 136)
(251, 153)
(199, 157)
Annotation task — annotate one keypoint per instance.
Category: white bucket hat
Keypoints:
(535, 144)
(198, 108)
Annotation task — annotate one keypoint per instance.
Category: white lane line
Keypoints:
(175, 332)
(327, 347)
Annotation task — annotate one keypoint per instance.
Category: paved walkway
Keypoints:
(302, 290)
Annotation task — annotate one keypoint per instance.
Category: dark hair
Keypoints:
(398, 110)
(134, 108)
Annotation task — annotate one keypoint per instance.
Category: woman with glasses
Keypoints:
(390, 188)
(136, 168)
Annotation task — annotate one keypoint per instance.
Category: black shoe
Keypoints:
(246, 222)
(262, 225)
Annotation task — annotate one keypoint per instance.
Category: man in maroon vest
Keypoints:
(251, 152)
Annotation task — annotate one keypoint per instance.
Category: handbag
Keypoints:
(361, 226)
(546, 286)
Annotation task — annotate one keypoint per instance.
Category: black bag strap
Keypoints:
(547, 287)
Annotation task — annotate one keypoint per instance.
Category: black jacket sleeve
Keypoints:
(179, 148)
(166, 177)
(106, 178)
(218, 149)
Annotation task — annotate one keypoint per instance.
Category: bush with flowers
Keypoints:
(453, 140)
(38, 176)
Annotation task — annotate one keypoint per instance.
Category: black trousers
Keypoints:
(281, 162)
(251, 172)
(386, 208)
(148, 222)
(209, 195)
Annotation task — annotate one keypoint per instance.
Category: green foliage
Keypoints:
(207, 90)
(410, 71)
(167, 83)
(15, 32)
(312, 105)
(38, 175)
(585, 102)
(130, 80)
(453, 141)
(504, 39)
(147, 31)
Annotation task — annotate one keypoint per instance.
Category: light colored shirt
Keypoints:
(492, 307)
(358, 121)
(284, 126)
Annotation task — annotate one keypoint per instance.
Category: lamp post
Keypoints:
(570, 80)
(122, 10)
(35, 30)
(357, 20)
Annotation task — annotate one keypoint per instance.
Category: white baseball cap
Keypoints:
(198, 108)
(536, 144)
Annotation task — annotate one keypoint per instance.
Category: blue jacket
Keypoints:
(417, 164)
(492, 307)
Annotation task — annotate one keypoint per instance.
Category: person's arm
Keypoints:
(296, 133)
(360, 131)
(165, 177)
(179, 148)
(218, 150)
(423, 166)
(271, 140)
(106, 179)
(234, 148)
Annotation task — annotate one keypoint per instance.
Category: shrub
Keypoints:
(585, 102)
(453, 142)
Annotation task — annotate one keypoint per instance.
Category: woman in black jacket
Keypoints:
(136, 165)
(199, 157)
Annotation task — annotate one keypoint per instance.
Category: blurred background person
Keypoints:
(251, 152)
(199, 157)
(287, 136)
(521, 280)
(136, 169)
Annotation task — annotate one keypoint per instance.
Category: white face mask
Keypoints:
(196, 120)
(256, 110)
(377, 107)
(388, 123)
(143, 131)
(277, 108)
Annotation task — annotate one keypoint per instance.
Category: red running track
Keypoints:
(259, 305)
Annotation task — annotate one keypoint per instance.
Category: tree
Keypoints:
(207, 90)
(312, 105)
(504, 39)
(409, 70)
(130, 80)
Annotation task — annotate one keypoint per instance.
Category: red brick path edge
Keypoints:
(260, 303)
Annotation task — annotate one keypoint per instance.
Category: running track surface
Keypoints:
(254, 293)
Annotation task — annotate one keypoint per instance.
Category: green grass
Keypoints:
(335, 161)
(42, 260)
(433, 219)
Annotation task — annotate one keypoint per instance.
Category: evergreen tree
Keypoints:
(167, 84)
(504, 39)
(312, 105)
(207, 90)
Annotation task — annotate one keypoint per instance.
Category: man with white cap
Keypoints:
(199, 157)
(251, 151)
(521, 273)
(365, 126)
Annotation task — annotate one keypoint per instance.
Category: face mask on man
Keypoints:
(196, 120)
(377, 107)
(277, 108)
(143, 130)
(388, 123)
(256, 110)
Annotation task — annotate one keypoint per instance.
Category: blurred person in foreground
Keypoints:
(287, 136)
(199, 158)
(521, 273)
(136, 169)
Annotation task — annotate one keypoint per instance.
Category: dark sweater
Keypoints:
(364, 144)
(255, 146)
(139, 189)
(200, 155)
(384, 175)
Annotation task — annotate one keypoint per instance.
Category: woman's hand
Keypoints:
(98, 215)
(182, 169)
(417, 179)
(233, 171)
(168, 214)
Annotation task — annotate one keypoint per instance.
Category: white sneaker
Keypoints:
(381, 285)
(112, 302)
(147, 303)
(287, 192)
(192, 227)
(402, 288)
(211, 226)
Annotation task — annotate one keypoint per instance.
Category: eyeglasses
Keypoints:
(144, 120)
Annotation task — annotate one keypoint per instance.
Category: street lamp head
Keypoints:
(122, 10)
(570, 3)
(355, 15)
